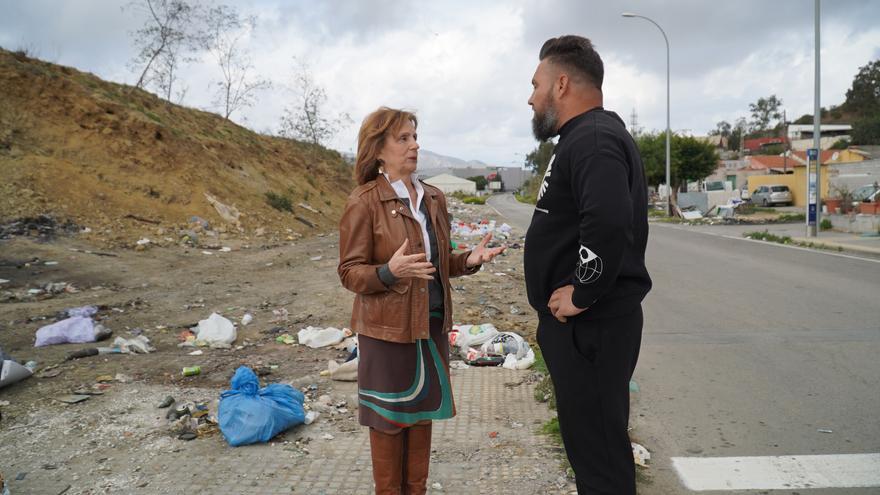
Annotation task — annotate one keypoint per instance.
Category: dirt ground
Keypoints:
(161, 291)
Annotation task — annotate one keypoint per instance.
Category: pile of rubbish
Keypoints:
(191, 420)
(473, 229)
(484, 345)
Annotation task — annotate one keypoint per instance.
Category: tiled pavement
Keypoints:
(465, 459)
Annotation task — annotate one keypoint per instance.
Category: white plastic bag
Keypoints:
(505, 343)
(76, 329)
(316, 337)
(216, 330)
(473, 335)
(11, 372)
(526, 362)
(136, 345)
(345, 372)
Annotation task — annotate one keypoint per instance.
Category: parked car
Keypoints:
(866, 194)
(772, 194)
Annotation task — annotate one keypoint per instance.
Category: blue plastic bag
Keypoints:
(250, 414)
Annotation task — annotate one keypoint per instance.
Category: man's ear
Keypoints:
(563, 84)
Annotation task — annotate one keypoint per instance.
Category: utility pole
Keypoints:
(784, 143)
(814, 178)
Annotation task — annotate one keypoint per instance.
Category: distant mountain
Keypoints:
(431, 160)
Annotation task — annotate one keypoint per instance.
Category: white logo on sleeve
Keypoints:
(589, 267)
(546, 181)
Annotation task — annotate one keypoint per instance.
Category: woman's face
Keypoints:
(400, 152)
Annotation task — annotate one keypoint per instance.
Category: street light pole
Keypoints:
(668, 127)
(814, 182)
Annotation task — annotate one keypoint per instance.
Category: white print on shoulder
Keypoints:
(546, 182)
(589, 267)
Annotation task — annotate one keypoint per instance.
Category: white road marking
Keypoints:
(767, 243)
(779, 472)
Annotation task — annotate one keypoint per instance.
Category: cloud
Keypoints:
(466, 66)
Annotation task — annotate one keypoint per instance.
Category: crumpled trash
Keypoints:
(136, 345)
(511, 362)
(345, 372)
(465, 336)
(250, 414)
(316, 337)
(640, 454)
(81, 311)
(505, 343)
(76, 330)
(216, 330)
(12, 372)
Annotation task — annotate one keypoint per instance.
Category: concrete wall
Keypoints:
(857, 224)
(797, 182)
(854, 175)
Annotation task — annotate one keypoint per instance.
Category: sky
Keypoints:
(465, 67)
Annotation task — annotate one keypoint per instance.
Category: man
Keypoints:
(585, 262)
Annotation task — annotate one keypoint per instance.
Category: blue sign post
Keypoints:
(812, 191)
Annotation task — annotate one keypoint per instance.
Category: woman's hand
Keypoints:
(482, 254)
(410, 265)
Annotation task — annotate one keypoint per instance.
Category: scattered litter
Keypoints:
(197, 352)
(286, 339)
(505, 343)
(187, 436)
(493, 434)
(87, 311)
(458, 365)
(633, 386)
(250, 414)
(135, 345)
(316, 258)
(280, 315)
(76, 329)
(12, 372)
(143, 242)
(311, 416)
(166, 402)
(247, 319)
(73, 399)
(514, 310)
(345, 372)
(226, 249)
(464, 336)
(3, 281)
(436, 486)
(50, 263)
(514, 363)
(640, 455)
(216, 330)
(823, 430)
(191, 370)
(326, 436)
(308, 207)
(316, 337)
(207, 252)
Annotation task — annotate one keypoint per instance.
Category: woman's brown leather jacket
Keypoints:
(373, 226)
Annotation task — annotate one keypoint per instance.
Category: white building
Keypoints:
(450, 184)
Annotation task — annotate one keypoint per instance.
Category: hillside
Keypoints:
(125, 164)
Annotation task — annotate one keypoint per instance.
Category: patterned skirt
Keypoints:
(403, 384)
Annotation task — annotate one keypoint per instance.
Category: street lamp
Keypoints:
(668, 129)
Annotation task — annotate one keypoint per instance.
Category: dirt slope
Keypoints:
(99, 153)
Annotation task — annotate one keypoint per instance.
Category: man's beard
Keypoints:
(544, 124)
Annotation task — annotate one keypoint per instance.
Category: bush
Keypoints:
(279, 201)
(474, 200)
(825, 224)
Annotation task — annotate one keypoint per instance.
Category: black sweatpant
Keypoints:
(591, 363)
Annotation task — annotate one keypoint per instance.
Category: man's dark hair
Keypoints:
(576, 54)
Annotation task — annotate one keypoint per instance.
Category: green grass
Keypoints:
(474, 200)
(526, 198)
(767, 236)
(791, 218)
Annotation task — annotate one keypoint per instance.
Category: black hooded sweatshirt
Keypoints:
(590, 225)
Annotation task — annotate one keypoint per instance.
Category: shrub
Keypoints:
(279, 202)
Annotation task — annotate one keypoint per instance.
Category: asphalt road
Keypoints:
(752, 349)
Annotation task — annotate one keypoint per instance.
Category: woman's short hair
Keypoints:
(371, 138)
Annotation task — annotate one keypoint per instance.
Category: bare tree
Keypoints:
(163, 42)
(307, 119)
(224, 31)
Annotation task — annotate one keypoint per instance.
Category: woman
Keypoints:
(394, 254)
